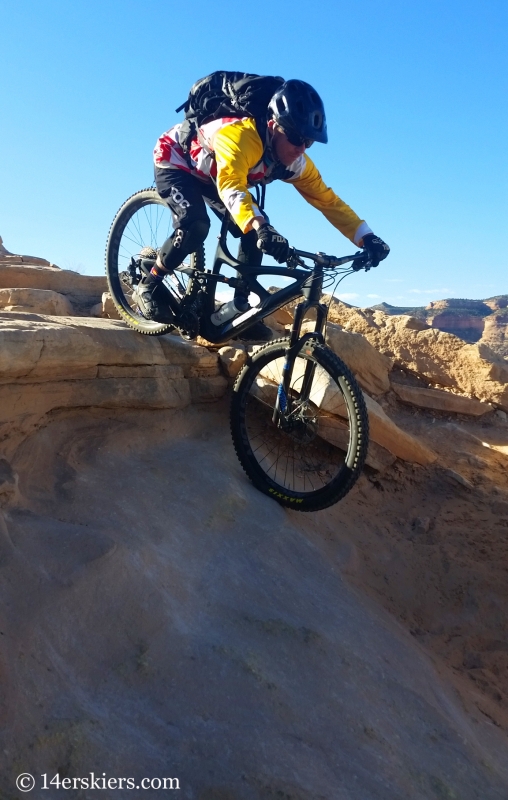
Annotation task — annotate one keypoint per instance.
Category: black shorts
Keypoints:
(188, 197)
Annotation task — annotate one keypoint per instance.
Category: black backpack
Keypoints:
(227, 94)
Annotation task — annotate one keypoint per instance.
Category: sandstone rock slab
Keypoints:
(397, 441)
(442, 358)
(458, 478)
(106, 308)
(206, 390)
(370, 367)
(49, 363)
(232, 359)
(279, 320)
(199, 586)
(337, 433)
(40, 301)
(439, 400)
(82, 291)
(196, 360)
(45, 348)
(378, 457)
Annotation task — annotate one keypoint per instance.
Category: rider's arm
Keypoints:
(312, 187)
(238, 149)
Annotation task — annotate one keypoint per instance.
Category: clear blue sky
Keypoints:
(416, 101)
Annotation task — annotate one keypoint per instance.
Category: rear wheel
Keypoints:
(140, 227)
(314, 454)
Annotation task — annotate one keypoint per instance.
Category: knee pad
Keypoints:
(191, 237)
(184, 241)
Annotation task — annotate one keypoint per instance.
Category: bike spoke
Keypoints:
(135, 222)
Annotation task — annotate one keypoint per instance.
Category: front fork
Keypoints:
(282, 408)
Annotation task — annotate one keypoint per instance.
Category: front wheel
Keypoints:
(141, 227)
(312, 455)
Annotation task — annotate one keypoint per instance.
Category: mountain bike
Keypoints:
(298, 417)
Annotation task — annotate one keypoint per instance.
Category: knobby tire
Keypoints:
(314, 465)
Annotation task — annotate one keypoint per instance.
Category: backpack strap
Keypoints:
(188, 131)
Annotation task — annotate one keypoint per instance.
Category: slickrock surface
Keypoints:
(82, 291)
(49, 363)
(433, 545)
(164, 618)
(7, 258)
(65, 362)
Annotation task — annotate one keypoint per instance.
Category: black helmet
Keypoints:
(299, 110)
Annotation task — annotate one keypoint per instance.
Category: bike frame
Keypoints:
(307, 283)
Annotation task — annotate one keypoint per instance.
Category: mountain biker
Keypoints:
(227, 157)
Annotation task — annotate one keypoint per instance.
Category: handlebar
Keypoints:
(361, 259)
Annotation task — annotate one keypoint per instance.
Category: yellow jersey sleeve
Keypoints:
(314, 190)
(238, 148)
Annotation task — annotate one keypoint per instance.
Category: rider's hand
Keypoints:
(376, 248)
(272, 243)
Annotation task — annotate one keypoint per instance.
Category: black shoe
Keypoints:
(152, 299)
(147, 260)
(259, 332)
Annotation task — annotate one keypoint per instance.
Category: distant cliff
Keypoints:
(472, 320)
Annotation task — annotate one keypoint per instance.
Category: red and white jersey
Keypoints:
(201, 158)
(229, 152)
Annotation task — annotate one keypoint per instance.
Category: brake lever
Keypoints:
(363, 263)
(293, 260)
(360, 263)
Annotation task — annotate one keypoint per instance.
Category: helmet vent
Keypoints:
(298, 108)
